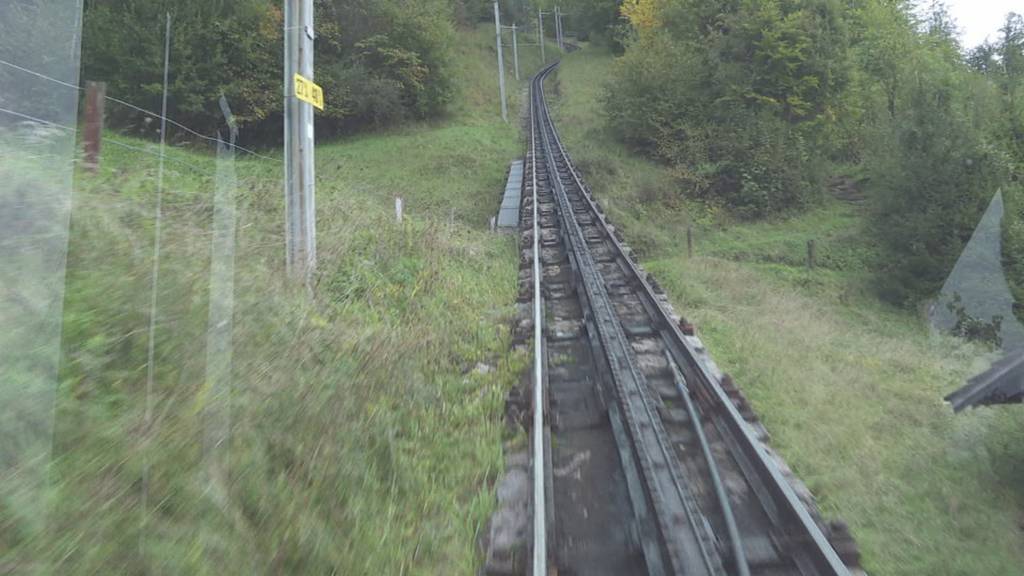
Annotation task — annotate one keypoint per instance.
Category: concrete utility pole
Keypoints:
(540, 35)
(299, 142)
(562, 27)
(563, 30)
(515, 50)
(501, 63)
(558, 28)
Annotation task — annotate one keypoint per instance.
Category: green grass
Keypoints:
(476, 69)
(364, 440)
(850, 388)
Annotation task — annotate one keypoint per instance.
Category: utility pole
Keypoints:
(299, 167)
(501, 63)
(540, 35)
(515, 50)
(558, 29)
(561, 27)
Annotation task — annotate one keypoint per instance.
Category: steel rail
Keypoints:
(646, 532)
(692, 551)
(735, 541)
(539, 511)
(731, 424)
(739, 555)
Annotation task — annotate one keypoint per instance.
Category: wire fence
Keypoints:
(127, 105)
(157, 365)
(120, 278)
(35, 194)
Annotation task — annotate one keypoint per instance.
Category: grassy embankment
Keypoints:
(850, 389)
(366, 421)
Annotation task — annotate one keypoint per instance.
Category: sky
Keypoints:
(980, 18)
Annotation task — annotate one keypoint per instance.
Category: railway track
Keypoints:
(643, 460)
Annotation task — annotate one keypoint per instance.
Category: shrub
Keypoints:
(932, 181)
(733, 96)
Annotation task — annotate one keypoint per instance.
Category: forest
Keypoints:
(760, 106)
(368, 413)
(383, 62)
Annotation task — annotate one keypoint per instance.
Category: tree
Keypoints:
(595, 20)
(379, 61)
(228, 48)
(734, 95)
(932, 180)
(749, 100)
(937, 159)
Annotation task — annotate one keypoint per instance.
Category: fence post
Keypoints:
(811, 254)
(689, 241)
(95, 96)
(398, 210)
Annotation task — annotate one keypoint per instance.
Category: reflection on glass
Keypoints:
(39, 54)
(975, 301)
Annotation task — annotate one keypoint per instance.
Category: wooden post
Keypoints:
(398, 210)
(689, 241)
(95, 96)
(811, 254)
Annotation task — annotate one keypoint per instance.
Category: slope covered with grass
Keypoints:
(850, 389)
(364, 417)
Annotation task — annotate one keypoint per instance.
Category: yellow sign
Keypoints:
(307, 91)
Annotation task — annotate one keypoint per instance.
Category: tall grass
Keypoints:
(365, 417)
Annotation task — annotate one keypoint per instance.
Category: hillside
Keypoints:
(850, 388)
(365, 422)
